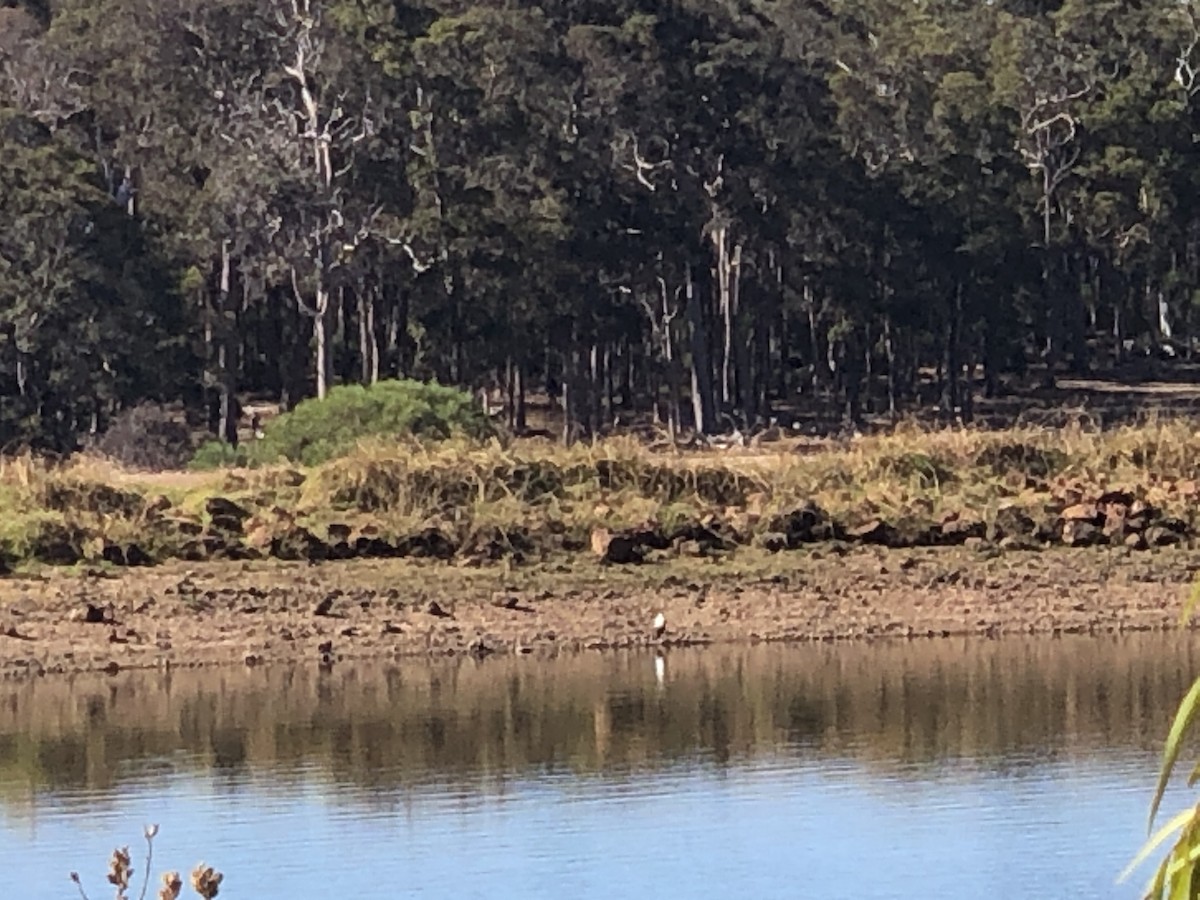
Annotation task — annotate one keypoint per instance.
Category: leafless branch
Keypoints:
(641, 168)
(313, 311)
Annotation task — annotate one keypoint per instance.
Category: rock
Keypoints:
(622, 550)
(192, 550)
(260, 536)
(806, 525)
(296, 544)
(338, 532)
(600, 538)
(959, 528)
(225, 508)
(654, 538)
(291, 478)
(1083, 512)
(1187, 488)
(186, 527)
(1068, 494)
(875, 531)
(57, 551)
(1177, 525)
(95, 615)
(1141, 508)
(1013, 522)
(157, 505)
(1115, 524)
(1017, 542)
(231, 525)
(1080, 533)
(113, 554)
(70, 495)
(342, 550)
(773, 542)
(1047, 532)
(215, 545)
(1116, 497)
(1158, 536)
(369, 547)
(435, 609)
(1135, 541)
(705, 535)
(427, 544)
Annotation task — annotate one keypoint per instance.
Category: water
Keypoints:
(1006, 769)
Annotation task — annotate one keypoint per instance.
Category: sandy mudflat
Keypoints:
(262, 612)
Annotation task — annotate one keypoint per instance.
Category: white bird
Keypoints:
(660, 625)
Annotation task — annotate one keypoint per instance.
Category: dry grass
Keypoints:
(205, 880)
(911, 476)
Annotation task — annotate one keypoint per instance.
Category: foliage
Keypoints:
(1176, 875)
(216, 454)
(702, 213)
(320, 430)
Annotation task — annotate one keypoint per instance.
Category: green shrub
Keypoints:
(216, 454)
(320, 430)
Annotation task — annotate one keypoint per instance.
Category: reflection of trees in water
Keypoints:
(892, 705)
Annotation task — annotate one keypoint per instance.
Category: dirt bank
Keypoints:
(258, 612)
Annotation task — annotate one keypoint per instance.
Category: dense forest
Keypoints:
(699, 210)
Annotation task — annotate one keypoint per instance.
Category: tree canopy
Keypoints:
(703, 211)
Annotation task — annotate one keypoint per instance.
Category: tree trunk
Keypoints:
(519, 423)
(1075, 313)
(703, 401)
(402, 342)
(814, 340)
(742, 349)
(1053, 316)
(594, 381)
(889, 348)
(951, 362)
(229, 413)
(850, 372)
(726, 303)
(368, 341)
(610, 390)
(321, 349)
(635, 369)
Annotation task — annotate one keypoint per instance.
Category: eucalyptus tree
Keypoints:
(86, 310)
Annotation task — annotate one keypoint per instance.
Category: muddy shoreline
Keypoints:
(252, 613)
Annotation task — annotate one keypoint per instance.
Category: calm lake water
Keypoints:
(955, 769)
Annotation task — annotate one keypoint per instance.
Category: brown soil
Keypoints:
(262, 612)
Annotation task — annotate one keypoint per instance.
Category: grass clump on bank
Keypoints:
(472, 499)
(317, 431)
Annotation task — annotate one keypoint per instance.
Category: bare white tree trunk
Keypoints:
(703, 405)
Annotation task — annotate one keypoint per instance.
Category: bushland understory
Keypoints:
(481, 548)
